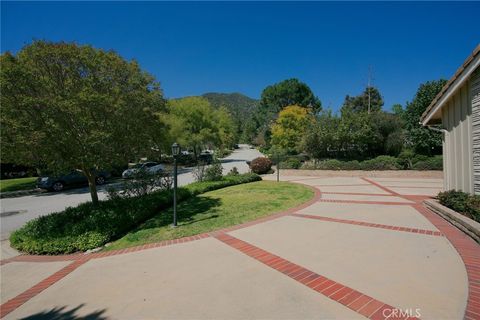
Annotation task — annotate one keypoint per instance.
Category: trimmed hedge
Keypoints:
(378, 163)
(464, 203)
(87, 227)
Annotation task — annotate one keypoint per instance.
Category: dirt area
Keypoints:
(362, 173)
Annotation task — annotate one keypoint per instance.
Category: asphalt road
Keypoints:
(17, 211)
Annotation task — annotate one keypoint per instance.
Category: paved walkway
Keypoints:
(362, 248)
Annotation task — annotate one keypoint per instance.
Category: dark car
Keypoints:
(205, 157)
(74, 178)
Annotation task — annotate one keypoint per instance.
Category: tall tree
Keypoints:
(289, 128)
(278, 96)
(421, 139)
(194, 123)
(66, 106)
(369, 101)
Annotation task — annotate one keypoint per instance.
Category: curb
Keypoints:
(465, 224)
(20, 193)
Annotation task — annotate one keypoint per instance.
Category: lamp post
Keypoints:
(175, 153)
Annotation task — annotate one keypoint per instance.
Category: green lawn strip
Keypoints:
(17, 184)
(216, 210)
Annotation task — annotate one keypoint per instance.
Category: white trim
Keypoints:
(453, 88)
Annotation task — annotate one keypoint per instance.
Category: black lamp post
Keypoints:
(175, 153)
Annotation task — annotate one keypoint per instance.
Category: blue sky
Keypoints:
(193, 48)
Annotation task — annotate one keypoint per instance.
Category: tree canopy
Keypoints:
(66, 106)
(369, 101)
(422, 139)
(288, 129)
(194, 123)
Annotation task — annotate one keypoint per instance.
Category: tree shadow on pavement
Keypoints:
(61, 313)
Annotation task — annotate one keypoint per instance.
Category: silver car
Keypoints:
(148, 167)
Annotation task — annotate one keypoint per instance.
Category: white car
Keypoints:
(149, 167)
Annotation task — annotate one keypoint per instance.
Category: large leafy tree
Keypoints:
(278, 96)
(66, 106)
(194, 123)
(288, 129)
(421, 139)
(369, 101)
(320, 139)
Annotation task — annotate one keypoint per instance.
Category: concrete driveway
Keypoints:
(362, 248)
(30, 207)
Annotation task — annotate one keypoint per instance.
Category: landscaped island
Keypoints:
(147, 218)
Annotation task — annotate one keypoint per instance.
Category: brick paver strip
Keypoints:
(371, 225)
(352, 299)
(17, 301)
(387, 203)
(468, 250)
(466, 247)
(378, 185)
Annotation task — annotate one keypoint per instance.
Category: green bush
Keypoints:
(261, 165)
(433, 163)
(291, 163)
(461, 202)
(472, 206)
(233, 172)
(332, 164)
(86, 227)
(380, 163)
(214, 172)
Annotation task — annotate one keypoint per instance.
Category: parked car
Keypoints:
(205, 157)
(148, 167)
(74, 178)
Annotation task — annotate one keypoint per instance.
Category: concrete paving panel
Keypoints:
(405, 270)
(402, 216)
(16, 277)
(204, 279)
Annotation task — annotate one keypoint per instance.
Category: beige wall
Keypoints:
(458, 142)
(475, 94)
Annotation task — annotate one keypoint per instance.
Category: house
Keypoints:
(456, 112)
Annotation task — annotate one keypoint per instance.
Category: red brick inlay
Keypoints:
(469, 250)
(371, 225)
(17, 301)
(387, 203)
(378, 185)
(351, 298)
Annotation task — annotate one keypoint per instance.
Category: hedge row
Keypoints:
(86, 227)
(378, 163)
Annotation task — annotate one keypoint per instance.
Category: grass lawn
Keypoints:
(216, 210)
(17, 184)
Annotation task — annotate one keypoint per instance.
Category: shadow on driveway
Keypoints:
(61, 313)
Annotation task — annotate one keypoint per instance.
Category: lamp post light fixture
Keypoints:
(175, 153)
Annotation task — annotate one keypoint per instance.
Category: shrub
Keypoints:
(199, 171)
(433, 163)
(261, 165)
(453, 199)
(214, 172)
(86, 226)
(352, 165)
(472, 206)
(332, 164)
(380, 163)
(461, 202)
(309, 165)
(233, 172)
(291, 163)
(141, 183)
